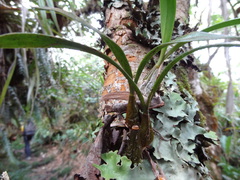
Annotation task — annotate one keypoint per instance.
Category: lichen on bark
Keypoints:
(176, 127)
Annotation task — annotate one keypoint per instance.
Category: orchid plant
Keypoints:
(166, 49)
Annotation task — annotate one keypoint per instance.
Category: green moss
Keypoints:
(183, 84)
(182, 80)
(202, 119)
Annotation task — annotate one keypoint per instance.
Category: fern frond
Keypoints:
(7, 146)
(13, 95)
(20, 66)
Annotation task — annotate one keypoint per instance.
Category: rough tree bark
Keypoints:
(116, 90)
(230, 92)
(182, 12)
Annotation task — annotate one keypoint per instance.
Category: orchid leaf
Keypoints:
(224, 24)
(117, 51)
(177, 59)
(203, 36)
(194, 36)
(53, 14)
(197, 36)
(43, 19)
(29, 40)
(168, 11)
(147, 58)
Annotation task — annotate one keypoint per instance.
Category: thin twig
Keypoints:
(155, 168)
(124, 142)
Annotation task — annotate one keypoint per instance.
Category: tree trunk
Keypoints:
(230, 92)
(182, 12)
(115, 89)
(166, 154)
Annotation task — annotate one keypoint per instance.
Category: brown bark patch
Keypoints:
(110, 79)
(131, 58)
(128, 22)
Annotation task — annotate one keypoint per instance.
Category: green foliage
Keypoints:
(216, 85)
(221, 25)
(118, 52)
(60, 43)
(116, 167)
(119, 167)
(19, 173)
(17, 144)
(226, 144)
(7, 147)
(168, 12)
(80, 80)
(216, 18)
(5, 87)
(72, 101)
(230, 159)
(228, 125)
(229, 171)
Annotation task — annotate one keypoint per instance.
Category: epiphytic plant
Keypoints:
(137, 115)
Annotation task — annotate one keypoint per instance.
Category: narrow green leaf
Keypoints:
(37, 72)
(197, 36)
(177, 59)
(174, 49)
(226, 143)
(9, 77)
(117, 51)
(224, 24)
(168, 11)
(194, 36)
(53, 14)
(43, 20)
(146, 59)
(203, 36)
(29, 40)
